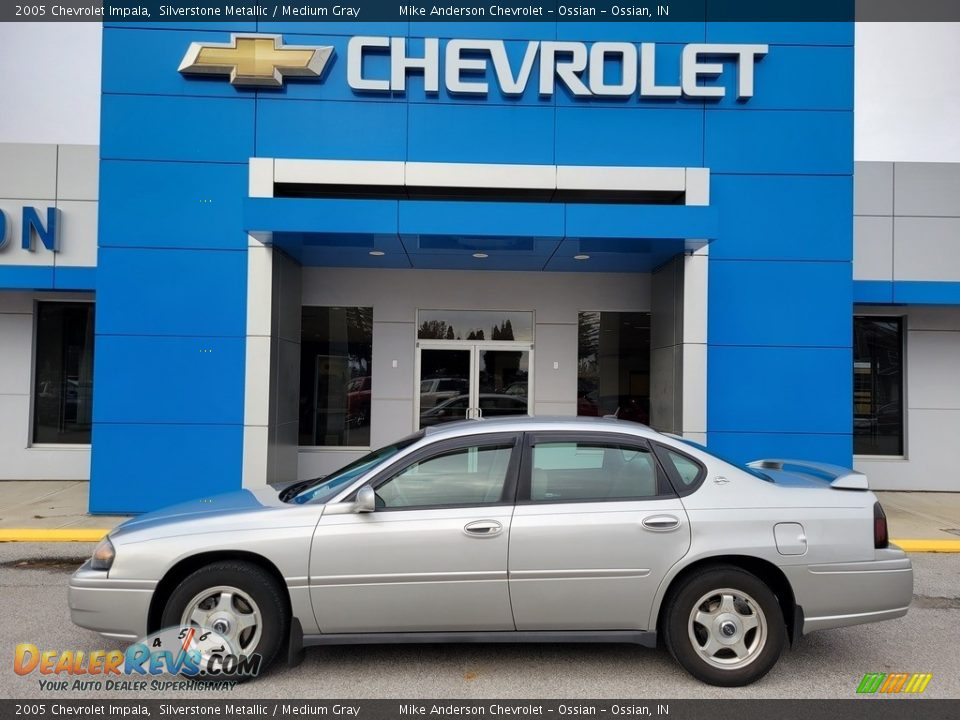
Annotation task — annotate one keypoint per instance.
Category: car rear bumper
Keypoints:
(840, 594)
(111, 607)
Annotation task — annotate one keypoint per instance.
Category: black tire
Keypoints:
(258, 585)
(757, 622)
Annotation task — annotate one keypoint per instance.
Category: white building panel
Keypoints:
(932, 400)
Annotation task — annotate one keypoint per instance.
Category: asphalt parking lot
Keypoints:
(828, 664)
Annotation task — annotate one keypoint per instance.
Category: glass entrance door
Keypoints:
(445, 375)
(462, 381)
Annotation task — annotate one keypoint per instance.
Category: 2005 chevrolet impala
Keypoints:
(511, 530)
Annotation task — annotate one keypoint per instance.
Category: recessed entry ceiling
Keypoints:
(462, 252)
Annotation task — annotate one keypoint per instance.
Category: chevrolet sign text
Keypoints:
(584, 70)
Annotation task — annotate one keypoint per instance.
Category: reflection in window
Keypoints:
(686, 468)
(63, 385)
(335, 376)
(565, 471)
(503, 325)
(468, 476)
(613, 369)
(878, 386)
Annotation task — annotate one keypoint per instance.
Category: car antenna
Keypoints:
(614, 415)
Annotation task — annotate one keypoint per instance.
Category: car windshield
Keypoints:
(753, 471)
(321, 490)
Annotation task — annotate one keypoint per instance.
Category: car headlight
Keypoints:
(103, 555)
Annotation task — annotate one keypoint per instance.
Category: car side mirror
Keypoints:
(366, 500)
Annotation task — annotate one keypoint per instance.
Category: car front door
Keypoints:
(433, 555)
(596, 527)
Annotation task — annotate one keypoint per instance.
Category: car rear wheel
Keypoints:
(725, 627)
(239, 601)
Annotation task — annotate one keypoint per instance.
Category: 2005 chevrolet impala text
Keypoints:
(512, 530)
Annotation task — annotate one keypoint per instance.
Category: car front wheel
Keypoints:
(725, 627)
(239, 601)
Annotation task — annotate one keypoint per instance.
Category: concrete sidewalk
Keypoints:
(50, 510)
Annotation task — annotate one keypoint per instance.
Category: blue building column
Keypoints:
(780, 364)
(171, 288)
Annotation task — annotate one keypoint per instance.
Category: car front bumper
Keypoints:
(840, 594)
(112, 607)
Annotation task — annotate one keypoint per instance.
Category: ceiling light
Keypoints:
(480, 255)
(581, 257)
(377, 253)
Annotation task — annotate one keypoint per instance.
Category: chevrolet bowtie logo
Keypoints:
(255, 60)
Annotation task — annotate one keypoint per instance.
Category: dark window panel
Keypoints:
(63, 375)
(613, 365)
(335, 376)
(878, 386)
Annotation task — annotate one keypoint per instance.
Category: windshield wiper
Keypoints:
(295, 489)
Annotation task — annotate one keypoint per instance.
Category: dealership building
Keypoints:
(299, 241)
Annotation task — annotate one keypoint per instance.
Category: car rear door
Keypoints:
(595, 529)
(433, 555)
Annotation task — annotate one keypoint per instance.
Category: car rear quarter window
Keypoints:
(686, 468)
(685, 473)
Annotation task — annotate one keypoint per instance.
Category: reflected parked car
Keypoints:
(515, 530)
(518, 388)
(435, 390)
(491, 405)
(358, 402)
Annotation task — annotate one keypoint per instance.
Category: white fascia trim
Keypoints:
(481, 175)
(339, 172)
(487, 175)
(575, 177)
(261, 177)
(698, 186)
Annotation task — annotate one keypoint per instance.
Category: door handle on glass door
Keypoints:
(661, 522)
(483, 528)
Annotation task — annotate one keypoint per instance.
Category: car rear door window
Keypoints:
(591, 471)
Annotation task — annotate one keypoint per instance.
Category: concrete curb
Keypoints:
(52, 535)
(94, 535)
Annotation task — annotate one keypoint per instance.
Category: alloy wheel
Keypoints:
(727, 628)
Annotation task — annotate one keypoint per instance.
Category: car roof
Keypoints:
(532, 424)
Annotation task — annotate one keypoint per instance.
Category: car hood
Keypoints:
(241, 502)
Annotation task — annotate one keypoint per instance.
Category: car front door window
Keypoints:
(474, 475)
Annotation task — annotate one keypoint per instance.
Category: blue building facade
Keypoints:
(180, 221)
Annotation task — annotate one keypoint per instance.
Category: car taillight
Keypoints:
(880, 537)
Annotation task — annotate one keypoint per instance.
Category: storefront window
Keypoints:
(63, 375)
(335, 376)
(878, 386)
(502, 325)
(613, 370)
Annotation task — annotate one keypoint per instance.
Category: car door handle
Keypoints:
(661, 522)
(483, 528)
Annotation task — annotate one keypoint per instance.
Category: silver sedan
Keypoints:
(539, 530)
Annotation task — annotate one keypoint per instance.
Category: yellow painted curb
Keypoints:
(928, 546)
(52, 535)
